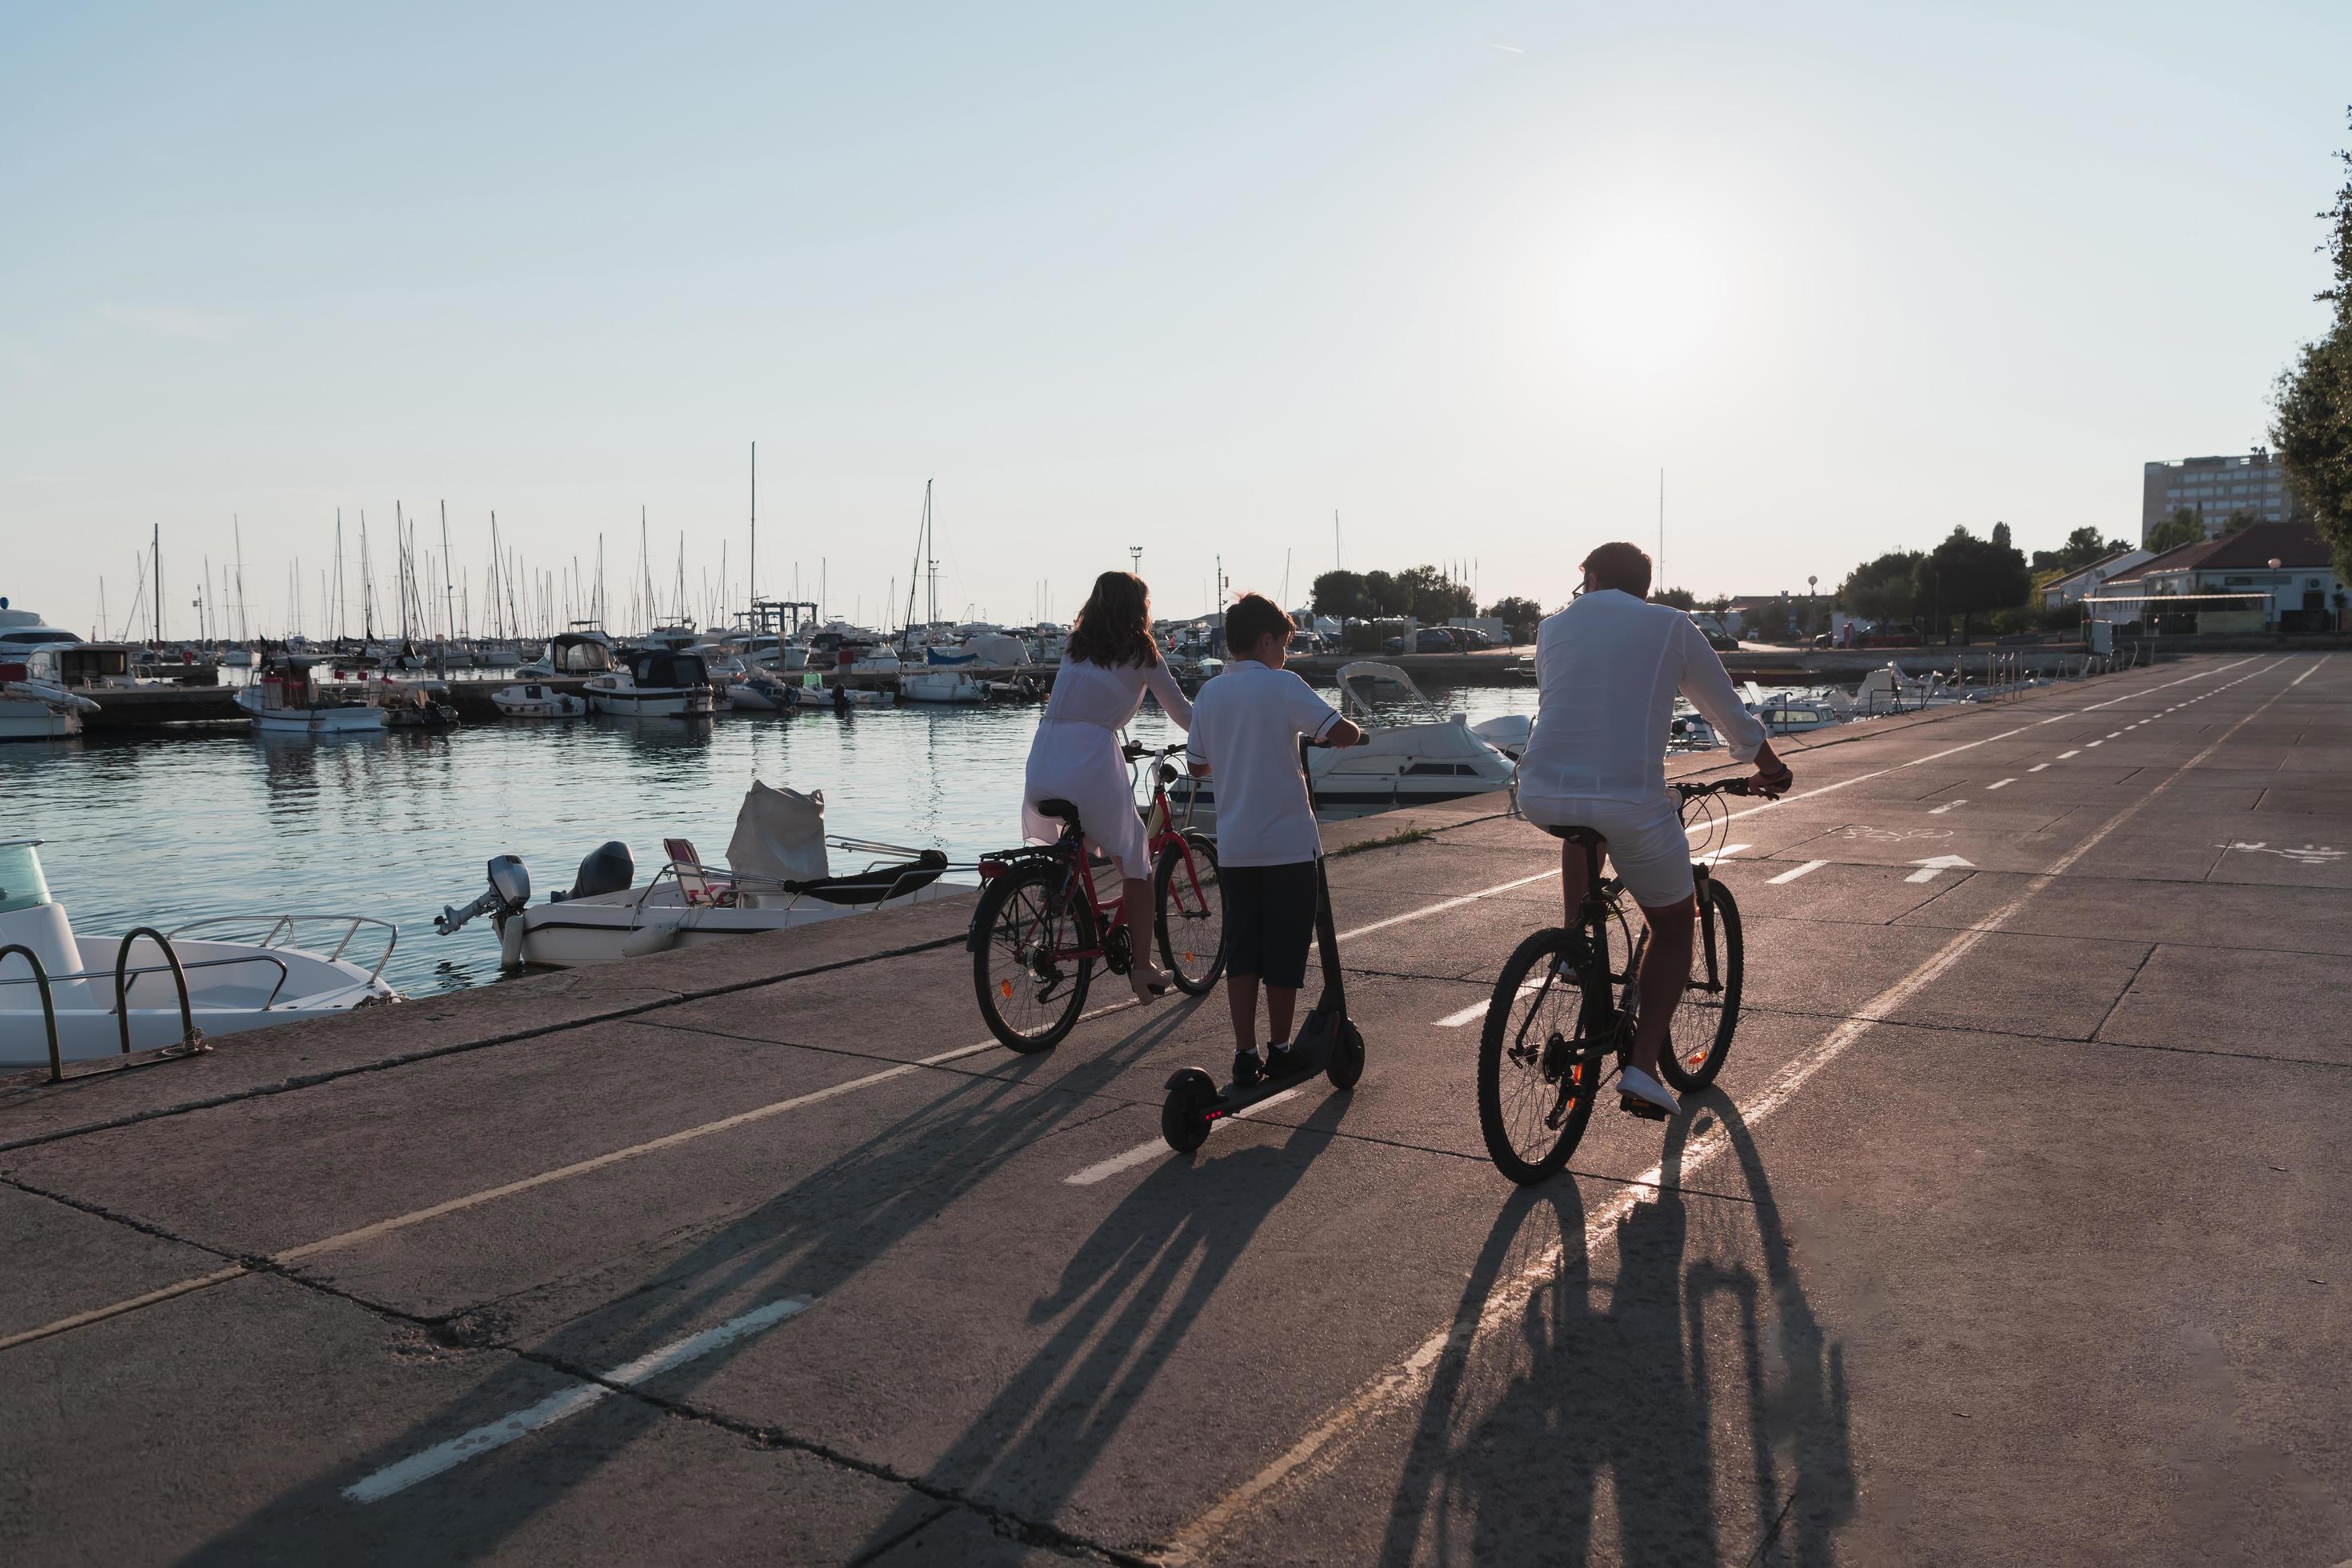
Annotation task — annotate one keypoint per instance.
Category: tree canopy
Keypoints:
(1967, 576)
(1882, 590)
(2313, 431)
(1424, 593)
(2082, 547)
(2183, 527)
(1340, 594)
(1522, 615)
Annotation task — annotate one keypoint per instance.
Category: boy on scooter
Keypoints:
(1245, 728)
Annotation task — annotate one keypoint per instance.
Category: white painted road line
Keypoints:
(2002, 785)
(1930, 870)
(567, 1403)
(1143, 1152)
(2037, 768)
(1476, 1011)
(1715, 857)
(2064, 755)
(2092, 743)
(1795, 872)
(1948, 806)
(1448, 904)
(1402, 1383)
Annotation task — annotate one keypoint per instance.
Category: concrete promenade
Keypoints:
(2018, 1229)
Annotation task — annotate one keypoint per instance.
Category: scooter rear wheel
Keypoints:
(1346, 1063)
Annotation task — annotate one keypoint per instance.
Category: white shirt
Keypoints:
(1607, 668)
(1109, 695)
(1245, 725)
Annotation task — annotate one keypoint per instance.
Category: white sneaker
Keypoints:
(1635, 1084)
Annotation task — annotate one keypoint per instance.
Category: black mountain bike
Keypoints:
(1561, 1021)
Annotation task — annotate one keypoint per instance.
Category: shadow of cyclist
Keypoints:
(1617, 1402)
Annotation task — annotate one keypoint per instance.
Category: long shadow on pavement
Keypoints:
(1615, 1399)
(805, 1241)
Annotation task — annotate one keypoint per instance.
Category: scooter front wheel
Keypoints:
(1184, 1114)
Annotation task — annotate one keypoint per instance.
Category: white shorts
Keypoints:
(1647, 844)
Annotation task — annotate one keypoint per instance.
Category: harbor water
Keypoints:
(172, 825)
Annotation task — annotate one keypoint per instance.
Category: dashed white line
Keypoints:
(2002, 785)
(2095, 743)
(1143, 1152)
(1794, 872)
(1948, 806)
(2037, 768)
(566, 1403)
(2064, 755)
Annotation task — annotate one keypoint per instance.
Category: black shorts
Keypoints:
(1269, 920)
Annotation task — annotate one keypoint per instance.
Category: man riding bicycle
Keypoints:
(1607, 669)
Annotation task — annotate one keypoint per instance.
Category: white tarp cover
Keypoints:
(780, 835)
(995, 650)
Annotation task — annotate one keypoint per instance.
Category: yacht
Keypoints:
(778, 876)
(289, 973)
(24, 634)
(531, 699)
(941, 685)
(34, 709)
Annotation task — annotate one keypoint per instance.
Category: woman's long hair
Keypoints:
(1115, 628)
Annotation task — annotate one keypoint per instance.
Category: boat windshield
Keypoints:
(22, 886)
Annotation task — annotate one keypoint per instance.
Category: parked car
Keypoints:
(1890, 636)
(1478, 641)
(1428, 639)
(1718, 638)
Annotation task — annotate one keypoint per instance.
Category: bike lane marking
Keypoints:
(2002, 785)
(1790, 876)
(1144, 1152)
(1404, 1379)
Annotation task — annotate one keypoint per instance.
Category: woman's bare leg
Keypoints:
(1143, 975)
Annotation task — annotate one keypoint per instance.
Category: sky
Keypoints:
(1468, 278)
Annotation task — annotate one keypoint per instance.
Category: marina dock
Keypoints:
(2019, 1226)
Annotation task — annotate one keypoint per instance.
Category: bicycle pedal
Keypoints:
(1641, 1108)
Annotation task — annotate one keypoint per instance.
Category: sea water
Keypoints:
(170, 826)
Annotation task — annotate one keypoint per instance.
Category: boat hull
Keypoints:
(613, 926)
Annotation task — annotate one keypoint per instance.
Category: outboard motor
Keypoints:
(508, 891)
(607, 869)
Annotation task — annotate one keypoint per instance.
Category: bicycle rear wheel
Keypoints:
(1191, 914)
(1031, 991)
(1708, 1013)
(1539, 1060)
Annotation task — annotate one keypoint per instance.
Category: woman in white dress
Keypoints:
(1107, 664)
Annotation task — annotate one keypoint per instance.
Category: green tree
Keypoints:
(1340, 593)
(1967, 576)
(2238, 522)
(2183, 527)
(1430, 596)
(2082, 547)
(1385, 596)
(1520, 615)
(1680, 599)
(1882, 590)
(2313, 431)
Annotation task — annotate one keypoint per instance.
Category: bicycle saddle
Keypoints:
(1575, 835)
(1059, 810)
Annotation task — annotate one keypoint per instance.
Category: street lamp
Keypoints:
(2274, 603)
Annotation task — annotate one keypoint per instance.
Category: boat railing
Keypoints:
(49, 1006)
(289, 927)
(190, 1037)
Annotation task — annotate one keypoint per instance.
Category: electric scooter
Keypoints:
(1328, 1041)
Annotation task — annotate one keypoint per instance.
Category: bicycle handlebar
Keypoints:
(1690, 792)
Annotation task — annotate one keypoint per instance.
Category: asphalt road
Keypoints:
(2014, 1231)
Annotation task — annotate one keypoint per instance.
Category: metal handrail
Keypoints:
(188, 1034)
(48, 1007)
(283, 973)
(285, 923)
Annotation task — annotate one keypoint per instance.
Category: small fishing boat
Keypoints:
(653, 683)
(778, 876)
(288, 698)
(532, 701)
(759, 692)
(415, 704)
(287, 971)
(813, 692)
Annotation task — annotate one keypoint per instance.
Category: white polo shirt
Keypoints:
(1245, 725)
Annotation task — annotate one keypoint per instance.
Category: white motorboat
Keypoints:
(583, 650)
(532, 701)
(759, 692)
(1507, 733)
(813, 692)
(778, 877)
(287, 696)
(33, 709)
(24, 634)
(232, 985)
(653, 684)
(1434, 757)
(940, 684)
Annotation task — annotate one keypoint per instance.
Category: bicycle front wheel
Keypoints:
(1539, 1061)
(1033, 921)
(1191, 914)
(1708, 1013)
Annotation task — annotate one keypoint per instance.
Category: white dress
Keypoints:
(1075, 756)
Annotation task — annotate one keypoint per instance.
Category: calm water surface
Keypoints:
(169, 827)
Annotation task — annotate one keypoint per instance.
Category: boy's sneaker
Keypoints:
(1281, 1061)
(1248, 1071)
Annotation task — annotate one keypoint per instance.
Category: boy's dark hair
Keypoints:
(1624, 567)
(1253, 617)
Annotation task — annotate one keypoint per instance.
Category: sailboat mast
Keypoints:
(751, 592)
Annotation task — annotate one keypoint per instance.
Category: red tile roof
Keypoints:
(2295, 544)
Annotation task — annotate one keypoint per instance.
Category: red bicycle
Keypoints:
(1041, 926)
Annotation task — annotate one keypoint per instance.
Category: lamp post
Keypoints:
(2274, 587)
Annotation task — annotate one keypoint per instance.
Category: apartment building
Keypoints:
(2214, 489)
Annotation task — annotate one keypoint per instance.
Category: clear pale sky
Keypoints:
(1190, 277)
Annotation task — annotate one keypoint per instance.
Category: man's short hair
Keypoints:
(1253, 617)
(1621, 566)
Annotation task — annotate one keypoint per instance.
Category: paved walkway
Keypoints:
(2016, 1229)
